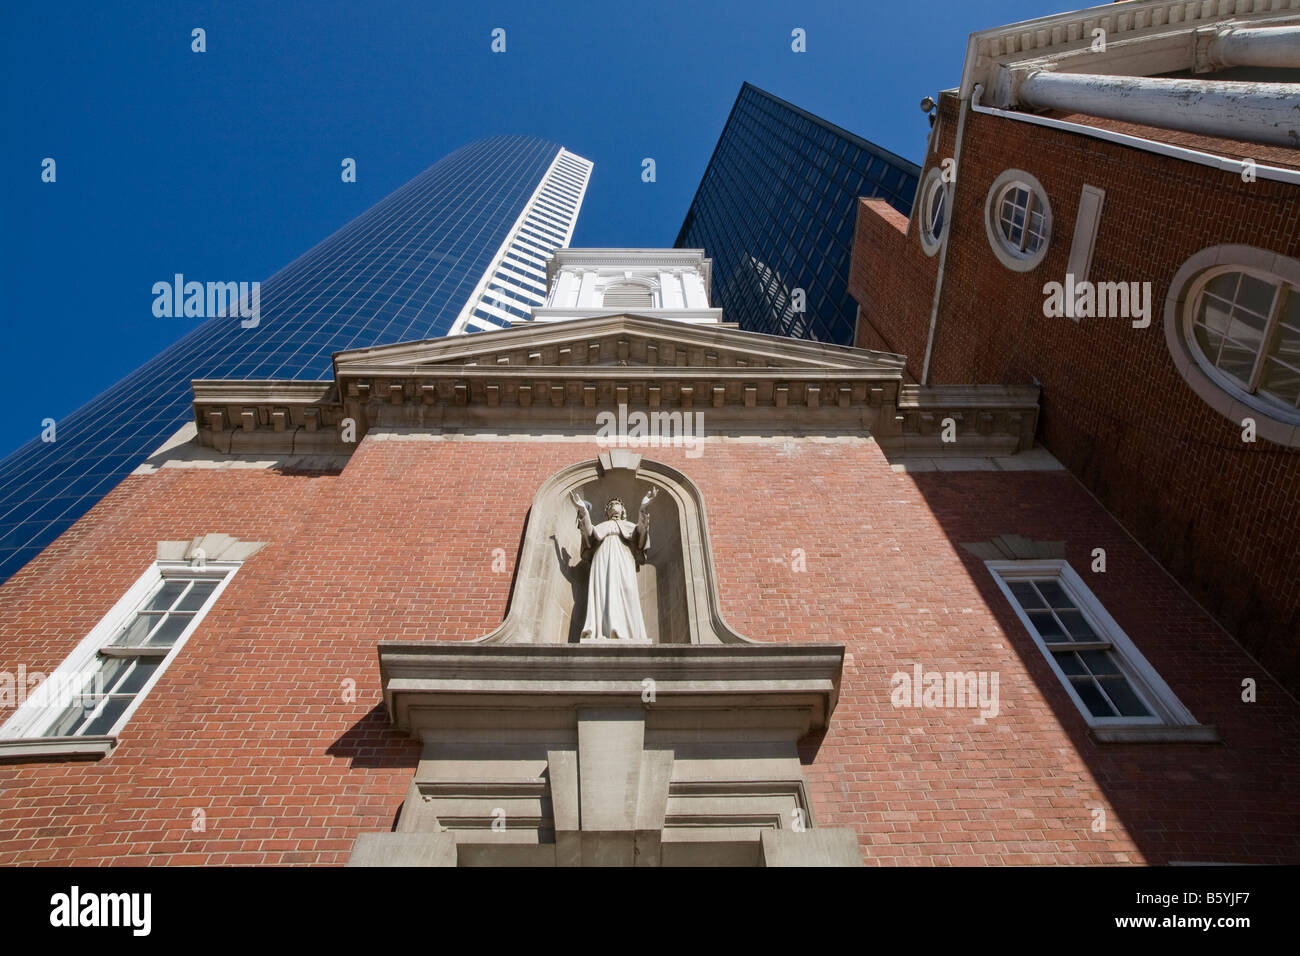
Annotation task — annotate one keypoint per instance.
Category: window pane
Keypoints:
(136, 631)
(1122, 696)
(1209, 340)
(142, 669)
(1247, 328)
(1076, 626)
(1287, 346)
(1237, 359)
(1099, 663)
(72, 717)
(197, 595)
(166, 595)
(1224, 285)
(1037, 231)
(111, 672)
(1256, 294)
(1291, 312)
(1070, 663)
(170, 629)
(1114, 683)
(1213, 314)
(1092, 698)
(1027, 595)
(1046, 626)
(1281, 382)
(1054, 594)
(113, 709)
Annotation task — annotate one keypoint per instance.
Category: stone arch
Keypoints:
(677, 584)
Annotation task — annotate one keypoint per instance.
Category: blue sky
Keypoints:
(226, 164)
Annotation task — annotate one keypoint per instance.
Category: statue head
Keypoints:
(615, 509)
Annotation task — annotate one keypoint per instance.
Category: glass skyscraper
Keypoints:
(459, 248)
(775, 211)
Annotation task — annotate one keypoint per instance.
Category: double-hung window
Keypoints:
(81, 706)
(1118, 692)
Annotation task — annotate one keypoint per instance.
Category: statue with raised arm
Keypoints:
(617, 546)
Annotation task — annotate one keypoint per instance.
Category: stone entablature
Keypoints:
(558, 377)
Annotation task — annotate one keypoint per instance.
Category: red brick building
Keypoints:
(1180, 414)
(993, 588)
(817, 554)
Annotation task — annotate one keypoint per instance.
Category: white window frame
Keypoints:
(1247, 391)
(931, 186)
(1017, 259)
(1272, 421)
(1169, 716)
(1086, 222)
(26, 725)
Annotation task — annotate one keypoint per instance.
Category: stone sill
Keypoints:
(1156, 734)
(56, 748)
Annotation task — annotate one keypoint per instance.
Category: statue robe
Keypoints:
(613, 605)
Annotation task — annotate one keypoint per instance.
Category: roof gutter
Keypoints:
(1235, 166)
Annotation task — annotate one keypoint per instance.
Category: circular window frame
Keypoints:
(933, 182)
(1216, 389)
(1015, 260)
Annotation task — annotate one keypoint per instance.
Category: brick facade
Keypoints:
(251, 725)
(1222, 515)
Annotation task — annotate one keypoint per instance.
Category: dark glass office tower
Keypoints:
(775, 212)
(460, 247)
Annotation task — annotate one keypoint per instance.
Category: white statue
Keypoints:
(613, 604)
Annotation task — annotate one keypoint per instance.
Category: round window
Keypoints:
(1232, 324)
(1018, 219)
(933, 210)
(1244, 329)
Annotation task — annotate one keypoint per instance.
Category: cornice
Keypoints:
(1143, 37)
(424, 680)
(559, 376)
(706, 316)
(637, 259)
(517, 344)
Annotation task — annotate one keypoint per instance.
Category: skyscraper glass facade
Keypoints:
(403, 270)
(775, 211)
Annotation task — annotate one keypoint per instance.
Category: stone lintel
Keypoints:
(429, 684)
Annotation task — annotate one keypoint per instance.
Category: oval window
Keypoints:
(1244, 329)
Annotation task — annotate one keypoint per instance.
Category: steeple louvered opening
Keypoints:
(628, 295)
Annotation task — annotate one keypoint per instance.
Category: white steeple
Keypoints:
(666, 283)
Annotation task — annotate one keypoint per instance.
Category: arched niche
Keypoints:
(676, 583)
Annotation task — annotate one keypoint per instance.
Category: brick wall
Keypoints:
(1222, 515)
(250, 724)
(881, 236)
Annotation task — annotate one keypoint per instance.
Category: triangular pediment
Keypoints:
(613, 341)
(566, 377)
